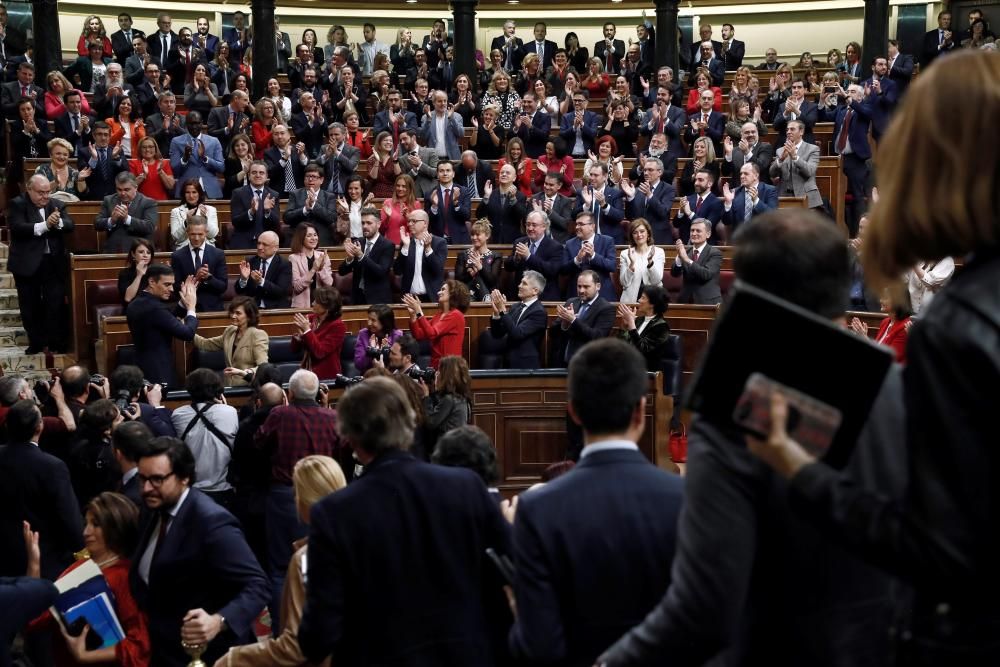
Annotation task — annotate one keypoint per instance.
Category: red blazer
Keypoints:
(893, 334)
(118, 133)
(694, 98)
(525, 179)
(567, 187)
(83, 50)
(322, 347)
(445, 331)
(262, 139)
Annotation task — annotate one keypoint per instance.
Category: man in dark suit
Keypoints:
(704, 35)
(419, 245)
(796, 107)
(266, 277)
(29, 135)
(35, 487)
(708, 59)
(183, 60)
(583, 318)
(603, 202)
(664, 123)
(165, 125)
(419, 162)
(732, 50)
(239, 38)
(254, 209)
(105, 163)
(154, 327)
(590, 251)
(121, 40)
(309, 125)
(521, 329)
(127, 443)
(509, 44)
(700, 204)
(473, 173)
(705, 122)
(584, 578)
(545, 49)
(126, 215)
(162, 42)
(700, 265)
(771, 62)
(750, 149)
(369, 261)
(339, 159)
(203, 261)
(883, 94)
(74, 125)
(204, 40)
(610, 51)
(751, 199)
(108, 94)
(135, 64)
(38, 260)
(938, 41)
(851, 123)
(539, 252)
(12, 92)
(226, 122)
(579, 129)
(147, 89)
(282, 46)
(900, 67)
(449, 207)
(532, 126)
(192, 573)
(285, 162)
(651, 200)
(314, 205)
(366, 560)
(558, 208)
(394, 119)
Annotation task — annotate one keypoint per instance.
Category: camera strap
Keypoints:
(199, 414)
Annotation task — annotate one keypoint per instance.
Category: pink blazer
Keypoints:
(301, 292)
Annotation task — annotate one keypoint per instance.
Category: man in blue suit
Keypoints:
(883, 93)
(651, 200)
(441, 117)
(203, 261)
(539, 252)
(522, 326)
(154, 327)
(796, 107)
(582, 578)
(430, 587)
(752, 198)
(603, 202)
(701, 204)
(449, 207)
(590, 251)
(532, 126)
(197, 155)
(579, 129)
(851, 123)
(394, 119)
(369, 261)
(707, 58)
(192, 573)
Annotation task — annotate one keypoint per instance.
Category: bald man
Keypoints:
(266, 277)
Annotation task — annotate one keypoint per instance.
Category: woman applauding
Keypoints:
(321, 335)
(446, 330)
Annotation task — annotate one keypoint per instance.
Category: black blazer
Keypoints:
(535, 134)
(10, 95)
(374, 269)
(154, 328)
(506, 213)
(524, 334)
(652, 342)
(276, 289)
(27, 249)
(584, 578)
(596, 323)
(362, 543)
(547, 260)
(64, 130)
(549, 50)
(560, 215)
(484, 172)
(432, 267)
(211, 290)
(247, 228)
(122, 45)
(276, 172)
(701, 277)
(35, 487)
(204, 562)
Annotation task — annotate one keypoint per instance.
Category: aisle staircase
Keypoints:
(14, 340)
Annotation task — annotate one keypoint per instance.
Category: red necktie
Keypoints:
(704, 119)
(444, 212)
(698, 205)
(694, 256)
(844, 129)
(24, 91)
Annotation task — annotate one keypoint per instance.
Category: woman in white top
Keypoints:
(282, 103)
(926, 280)
(349, 207)
(641, 264)
(192, 203)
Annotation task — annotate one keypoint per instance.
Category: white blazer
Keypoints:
(650, 276)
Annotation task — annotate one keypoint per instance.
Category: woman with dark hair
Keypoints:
(349, 207)
(464, 100)
(310, 265)
(375, 338)
(524, 165)
(355, 136)
(127, 127)
(578, 55)
(977, 35)
(201, 95)
(193, 202)
(478, 267)
(556, 159)
(645, 326)
(238, 161)
(621, 129)
(153, 174)
(640, 266)
(703, 82)
(110, 534)
(446, 330)
(243, 345)
(90, 69)
(892, 331)
(469, 447)
(132, 279)
(282, 104)
(381, 167)
(309, 39)
(321, 335)
(91, 461)
(449, 406)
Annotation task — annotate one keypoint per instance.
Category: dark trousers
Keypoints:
(41, 297)
(281, 520)
(856, 170)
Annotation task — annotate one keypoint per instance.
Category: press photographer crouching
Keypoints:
(450, 404)
(139, 401)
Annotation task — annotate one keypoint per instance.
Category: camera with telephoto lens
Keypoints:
(379, 353)
(426, 374)
(123, 401)
(346, 380)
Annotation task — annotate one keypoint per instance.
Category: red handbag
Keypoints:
(679, 445)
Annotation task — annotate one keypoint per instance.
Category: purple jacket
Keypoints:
(361, 359)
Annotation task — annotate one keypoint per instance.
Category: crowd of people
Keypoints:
(385, 505)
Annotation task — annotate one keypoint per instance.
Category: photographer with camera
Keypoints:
(76, 384)
(138, 400)
(14, 388)
(402, 355)
(376, 340)
(450, 404)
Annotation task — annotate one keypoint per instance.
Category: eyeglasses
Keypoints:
(156, 481)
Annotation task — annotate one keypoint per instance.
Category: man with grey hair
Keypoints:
(14, 388)
(339, 158)
(521, 328)
(291, 432)
(110, 92)
(508, 44)
(538, 251)
(226, 122)
(126, 215)
(367, 561)
(309, 125)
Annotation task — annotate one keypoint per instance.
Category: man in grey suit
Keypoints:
(339, 158)
(749, 149)
(796, 166)
(420, 163)
(282, 46)
(446, 144)
(558, 208)
(700, 265)
(314, 205)
(226, 122)
(126, 215)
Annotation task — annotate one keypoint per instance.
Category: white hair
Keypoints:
(303, 385)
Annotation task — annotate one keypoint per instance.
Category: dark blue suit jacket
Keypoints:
(406, 521)
(711, 209)
(603, 262)
(204, 562)
(535, 134)
(524, 333)
(594, 324)
(883, 104)
(857, 133)
(211, 290)
(154, 328)
(716, 128)
(276, 290)
(767, 200)
(246, 227)
(588, 131)
(809, 116)
(607, 222)
(656, 210)
(375, 268)
(458, 212)
(584, 578)
(547, 260)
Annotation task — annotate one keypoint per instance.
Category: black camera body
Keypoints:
(379, 353)
(425, 374)
(346, 380)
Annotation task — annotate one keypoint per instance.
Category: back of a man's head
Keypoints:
(204, 385)
(376, 416)
(10, 389)
(131, 439)
(303, 385)
(270, 395)
(22, 421)
(468, 447)
(76, 381)
(607, 380)
(126, 378)
(798, 256)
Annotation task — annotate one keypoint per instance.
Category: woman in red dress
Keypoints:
(395, 209)
(894, 329)
(557, 160)
(381, 167)
(321, 335)
(110, 535)
(265, 115)
(446, 330)
(525, 166)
